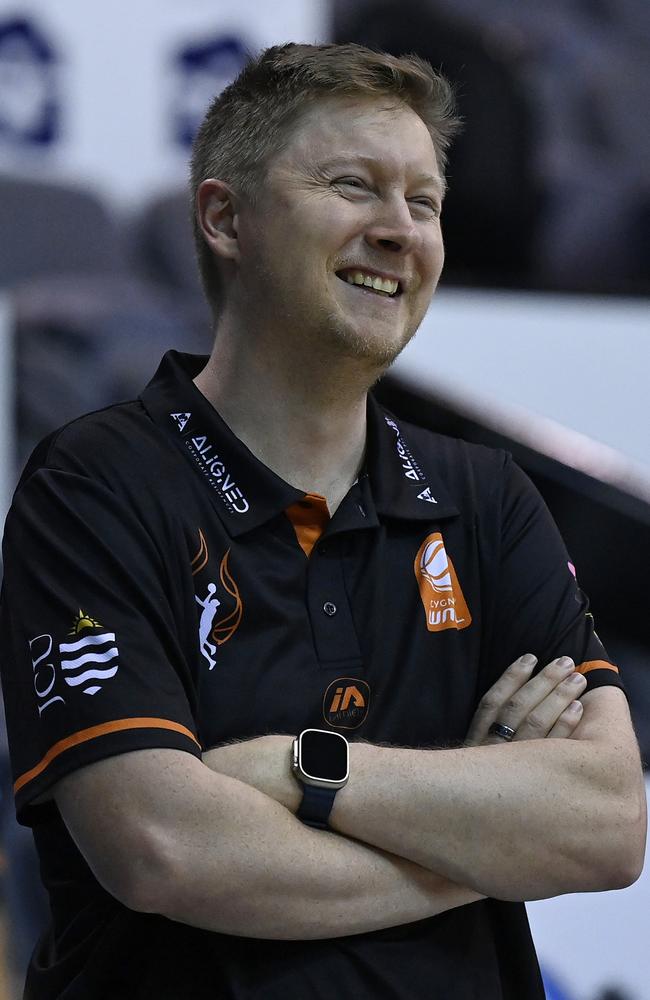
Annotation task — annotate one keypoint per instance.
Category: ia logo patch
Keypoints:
(346, 703)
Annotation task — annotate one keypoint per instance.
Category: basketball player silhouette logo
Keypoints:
(209, 603)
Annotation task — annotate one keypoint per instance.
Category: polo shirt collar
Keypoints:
(244, 491)
(404, 483)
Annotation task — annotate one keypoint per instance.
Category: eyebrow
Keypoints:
(369, 161)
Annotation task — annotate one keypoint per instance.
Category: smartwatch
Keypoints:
(320, 760)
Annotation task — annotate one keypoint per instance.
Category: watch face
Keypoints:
(324, 755)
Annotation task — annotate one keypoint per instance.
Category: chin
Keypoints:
(378, 351)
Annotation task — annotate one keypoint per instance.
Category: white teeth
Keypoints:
(372, 281)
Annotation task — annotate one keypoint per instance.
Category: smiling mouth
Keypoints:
(386, 287)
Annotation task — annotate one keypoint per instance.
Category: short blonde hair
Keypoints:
(252, 118)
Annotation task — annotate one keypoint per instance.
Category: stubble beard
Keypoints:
(376, 353)
(328, 337)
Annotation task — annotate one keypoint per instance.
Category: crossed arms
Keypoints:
(216, 844)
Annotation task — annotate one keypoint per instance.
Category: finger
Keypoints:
(518, 707)
(541, 719)
(511, 681)
(568, 721)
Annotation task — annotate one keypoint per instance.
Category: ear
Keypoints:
(216, 210)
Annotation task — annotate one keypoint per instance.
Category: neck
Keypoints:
(304, 418)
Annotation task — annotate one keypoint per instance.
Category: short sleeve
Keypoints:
(538, 606)
(91, 661)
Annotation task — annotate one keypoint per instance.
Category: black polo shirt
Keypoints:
(163, 588)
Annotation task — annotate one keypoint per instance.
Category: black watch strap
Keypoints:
(316, 806)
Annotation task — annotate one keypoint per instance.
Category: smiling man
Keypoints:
(256, 630)
(328, 270)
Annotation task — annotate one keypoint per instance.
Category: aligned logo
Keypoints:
(411, 469)
(180, 419)
(211, 465)
(444, 604)
(346, 703)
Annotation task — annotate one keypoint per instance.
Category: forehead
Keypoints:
(372, 131)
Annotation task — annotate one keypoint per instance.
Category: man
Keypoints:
(360, 577)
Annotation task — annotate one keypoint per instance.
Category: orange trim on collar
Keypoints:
(309, 518)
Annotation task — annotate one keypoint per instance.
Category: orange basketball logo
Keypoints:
(444, 604)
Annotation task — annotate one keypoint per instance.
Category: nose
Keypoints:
(392, 227)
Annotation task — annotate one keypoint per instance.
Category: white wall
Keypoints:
(117, 85)
(568, 375)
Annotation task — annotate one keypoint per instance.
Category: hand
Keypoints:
(263, 763)
(537, 708)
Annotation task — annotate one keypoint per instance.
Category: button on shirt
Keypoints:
(163, 588)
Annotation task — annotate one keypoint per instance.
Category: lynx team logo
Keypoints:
(444, 604)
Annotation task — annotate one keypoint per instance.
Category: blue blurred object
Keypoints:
(554, 991)
(202, 71)
(29, 106)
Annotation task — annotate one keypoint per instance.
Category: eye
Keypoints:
(428, 203)
(354, 182)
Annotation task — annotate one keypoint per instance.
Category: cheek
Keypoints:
(435, 256)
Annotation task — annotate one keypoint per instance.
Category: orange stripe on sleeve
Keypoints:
(584, 668)
(91, 734)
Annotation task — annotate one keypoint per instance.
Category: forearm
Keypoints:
(248, 867)
(522, 821)
(526, 820)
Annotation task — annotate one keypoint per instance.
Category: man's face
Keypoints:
(354, 198)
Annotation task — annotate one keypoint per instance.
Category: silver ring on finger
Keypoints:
(505, 732)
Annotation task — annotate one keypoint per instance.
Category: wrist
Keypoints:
(263, 763)
(358, 754)
(320, 764)
(289, 791)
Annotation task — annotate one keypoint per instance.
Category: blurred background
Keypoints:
(538, 339)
